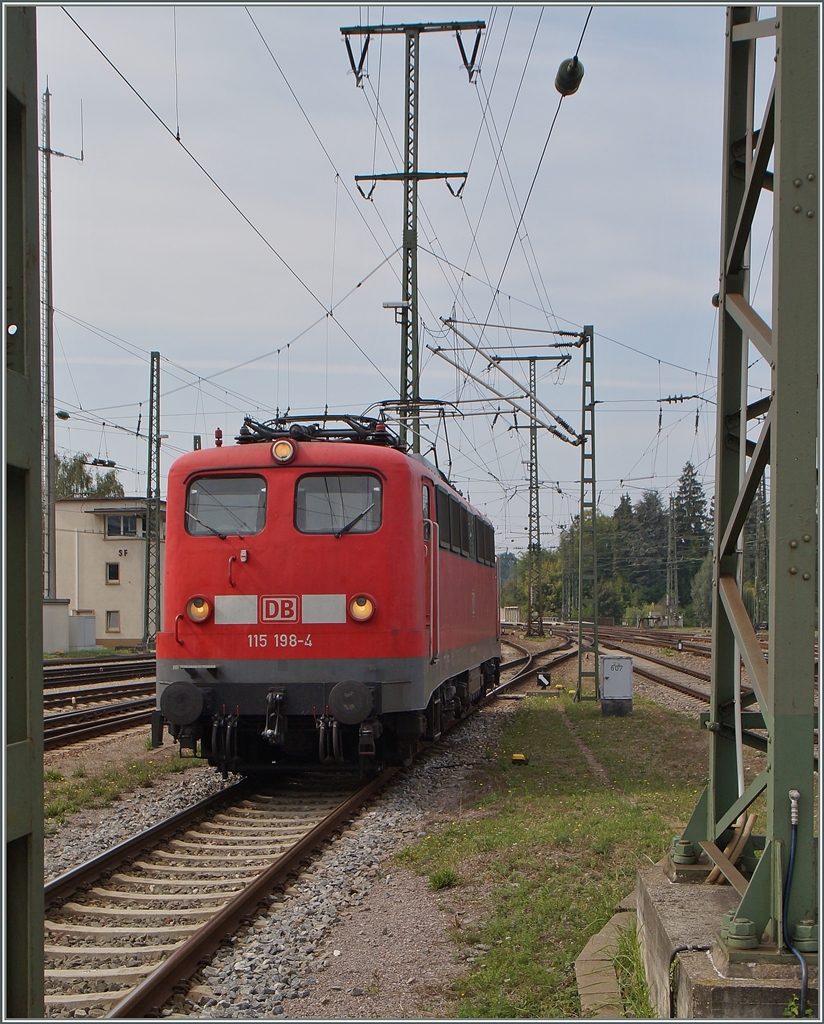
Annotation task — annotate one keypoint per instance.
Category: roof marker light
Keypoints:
(284, 451)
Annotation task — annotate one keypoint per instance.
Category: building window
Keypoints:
(121, 526)
(112, 572)
(112, 622)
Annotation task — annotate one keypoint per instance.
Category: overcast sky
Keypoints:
(621, 229)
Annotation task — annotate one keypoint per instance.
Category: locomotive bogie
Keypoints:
(325, 602)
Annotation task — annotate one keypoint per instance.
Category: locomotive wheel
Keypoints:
(369, 768)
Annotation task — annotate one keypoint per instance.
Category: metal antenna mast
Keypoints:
(407, 308)
(152, 623)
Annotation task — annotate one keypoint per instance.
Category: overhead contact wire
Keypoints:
(197, 163)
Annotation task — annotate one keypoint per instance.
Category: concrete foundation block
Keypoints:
(704, 984)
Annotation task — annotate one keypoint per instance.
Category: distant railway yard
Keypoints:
(319, 897)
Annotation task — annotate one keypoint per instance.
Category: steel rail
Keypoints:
(684, 670)
(97, 660)
(528, 669)
(102, 692)
(84, 715)
(64, 735)
(68, 883)
(148, 997)
(97, 671)
(689, 691)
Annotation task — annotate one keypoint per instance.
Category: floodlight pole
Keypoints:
(409, 411)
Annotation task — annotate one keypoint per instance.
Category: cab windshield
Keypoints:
(224, 505)
(338, 504)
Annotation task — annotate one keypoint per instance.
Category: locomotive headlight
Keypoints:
(198, 609)
(361, 608)
(284, 450)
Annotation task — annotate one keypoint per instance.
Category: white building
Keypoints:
(101, 564)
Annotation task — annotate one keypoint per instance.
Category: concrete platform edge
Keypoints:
(598, 987)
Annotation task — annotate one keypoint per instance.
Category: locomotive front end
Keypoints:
(294, 604)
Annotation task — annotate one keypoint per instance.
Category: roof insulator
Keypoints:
(569, 76)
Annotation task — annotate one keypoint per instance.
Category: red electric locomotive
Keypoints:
(328, 599)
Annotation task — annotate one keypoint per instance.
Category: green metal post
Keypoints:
(587, 520)
(47, 356)
(410, 374)
(23, 547)
(784, 681)
(152, 582)
(672, 566)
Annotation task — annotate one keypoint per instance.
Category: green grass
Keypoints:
(100, 652)
(443, 878)
(552, 851)
(632, 980)
(63, 797)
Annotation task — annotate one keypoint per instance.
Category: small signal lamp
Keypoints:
(361, 608)
(198, 609)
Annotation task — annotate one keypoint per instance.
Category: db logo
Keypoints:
(279, 609)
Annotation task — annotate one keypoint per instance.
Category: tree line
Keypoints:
(73, 479)
(635, 547)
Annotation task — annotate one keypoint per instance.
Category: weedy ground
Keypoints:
(64, 795)
(544, 852)
(96, 652)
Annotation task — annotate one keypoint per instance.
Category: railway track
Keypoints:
(74, 713)
(97, 670)
(65, 728)
(124, 930)
(68, 699)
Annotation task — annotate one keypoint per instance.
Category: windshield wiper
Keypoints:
(206, 526)
(355, 521)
